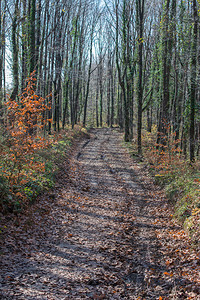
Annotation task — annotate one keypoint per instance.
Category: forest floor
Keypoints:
(104, 232)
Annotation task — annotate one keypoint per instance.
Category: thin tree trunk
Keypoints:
(193, 82)
(32, 57)
(140, 24)
(15, 50)
(108, 90)
(97, 100)
(24, 47)
(88, 81)
(112, 95)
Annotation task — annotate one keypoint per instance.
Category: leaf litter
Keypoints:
(104, 232)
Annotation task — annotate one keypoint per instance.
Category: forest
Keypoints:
(129, 63)
(118, 74)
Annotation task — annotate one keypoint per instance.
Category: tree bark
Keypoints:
(140, 26)
(193, 82)
(15, 50)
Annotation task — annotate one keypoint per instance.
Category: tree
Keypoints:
(15, 51)
(140, 28)
(32, 29)
(97, 57)
(193, 91)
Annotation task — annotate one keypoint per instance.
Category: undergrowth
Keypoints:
(29, 159)
(37, 175)
(180, 179)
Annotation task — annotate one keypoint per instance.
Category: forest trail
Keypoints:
(101, 240)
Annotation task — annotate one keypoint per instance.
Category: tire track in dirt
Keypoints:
(110, 171)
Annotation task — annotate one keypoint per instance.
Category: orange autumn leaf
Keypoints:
(168, 274)
(25, 123)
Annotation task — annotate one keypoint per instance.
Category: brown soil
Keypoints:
(102, 233)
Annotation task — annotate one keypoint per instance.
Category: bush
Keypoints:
(28, 160)
(19, 146)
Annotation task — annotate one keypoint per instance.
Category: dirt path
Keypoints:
(101, 241)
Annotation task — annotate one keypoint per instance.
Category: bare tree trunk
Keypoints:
(32, 55)
(193, 82)
(113, 79)
(108, 89)
(15, 50)
(97, 99)
(24, 47)
(89, 74)
(140, 25)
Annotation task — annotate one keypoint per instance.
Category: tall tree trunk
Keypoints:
(140, 26)
(97, 99)
(101, 92)
(89, 75)
(4, 50)
(58, 71)
(24, 47)
(32, 63)
(78, 90)
(38, 33)
(108, 90)
(1, 56)
(168, 32)
(15, 50)
(193, 82)
(113, 77)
